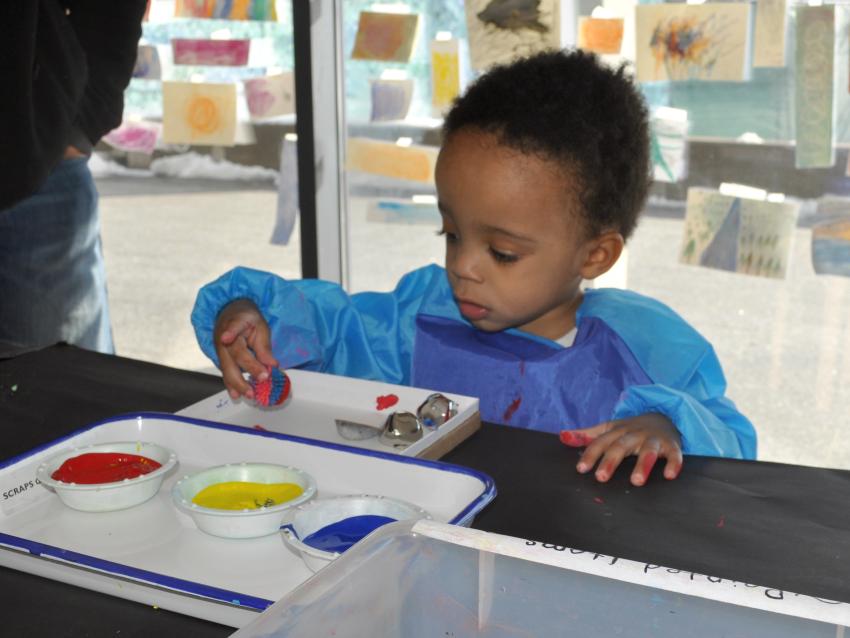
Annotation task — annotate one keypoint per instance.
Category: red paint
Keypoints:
(574, 439)
(513, 407)
(599, 500)
(385, 401)
(722, 521)
(260, 427)
(103, 467)
(648, 464)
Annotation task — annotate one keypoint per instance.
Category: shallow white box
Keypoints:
(429, 579)
(155, 554)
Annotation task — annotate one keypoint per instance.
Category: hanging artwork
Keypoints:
(813, 93)
(270, 95)
(287, 192)
(210, 52)
(771, 25)
(199, 113)
(147, 63)
(740, 235)
(831, 246)
(693, 42)
(413, 163)
(600, 35)
(445, 74)
(134, 137)
(388, 37)
(226, 9)
(390, 99)
(668, 144)
(501, 30)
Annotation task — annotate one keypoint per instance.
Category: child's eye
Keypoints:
(450, 237)
(503, 258)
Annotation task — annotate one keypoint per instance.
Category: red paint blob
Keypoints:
(574, 439)
(385, 401)
(598, 500)
(103, 467)
(513, 407)
(260, 427)
(722, 521)
(648, 464)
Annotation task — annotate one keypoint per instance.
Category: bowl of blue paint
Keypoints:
(322, 529)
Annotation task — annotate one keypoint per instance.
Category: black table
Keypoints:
(781, 526)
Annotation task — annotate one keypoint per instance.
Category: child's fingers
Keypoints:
(261, 344)
(582, 437)
(238, 327)
(675, 460)
(647, 457)
(232, 377)
(617, 447)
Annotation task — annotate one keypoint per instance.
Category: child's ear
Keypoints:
(603, 252)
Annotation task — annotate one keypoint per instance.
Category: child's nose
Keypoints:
(465, 265)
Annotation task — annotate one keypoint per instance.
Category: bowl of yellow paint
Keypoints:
(242, 500)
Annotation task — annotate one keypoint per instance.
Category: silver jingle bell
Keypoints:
(436, 410)
(401, 429)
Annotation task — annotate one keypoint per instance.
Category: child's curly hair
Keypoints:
(568, 107)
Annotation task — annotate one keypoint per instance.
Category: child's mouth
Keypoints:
(472, 311)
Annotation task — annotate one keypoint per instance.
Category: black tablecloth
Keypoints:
(781, 526)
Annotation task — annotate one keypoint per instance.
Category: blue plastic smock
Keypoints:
(632, 355)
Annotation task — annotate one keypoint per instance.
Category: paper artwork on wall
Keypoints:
(668, 144)
(287, 192)
(226, 9)
(270, 95)
(198, 113)
(390, 99)
(134, 137)
(388, 37)
(737, 234)
(771, 25)
(813, 93)
(831, 246)
(211, 52)
(600, 35)
(445, 74)
(501, 30)
(147, 63)
(693, 42)
(412, 163)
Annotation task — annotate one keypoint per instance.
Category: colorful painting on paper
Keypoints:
(388, 37)
(813, 94)
(501, 30)
(210, 52)
(736, 234)
(134, 137)
(831, 247)
(771, 23)
(226, 9)
(600, 35)
(147, 63)
(390, 99)
(199, 113)
(445, 74)
(693, 42)
(413, 163)
(669, 144)
(270, 95)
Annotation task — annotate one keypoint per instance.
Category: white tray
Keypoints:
(154, 554)
(317, 400)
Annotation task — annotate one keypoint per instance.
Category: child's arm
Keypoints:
(316, 325)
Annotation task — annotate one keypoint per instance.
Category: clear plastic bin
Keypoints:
(428, 579)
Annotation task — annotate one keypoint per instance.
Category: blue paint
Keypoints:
(339, 536)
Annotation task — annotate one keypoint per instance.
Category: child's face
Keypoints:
(515, 248)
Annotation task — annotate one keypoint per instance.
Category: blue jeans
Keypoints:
(52, 278)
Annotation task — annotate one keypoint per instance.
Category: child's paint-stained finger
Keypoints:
(574, 438)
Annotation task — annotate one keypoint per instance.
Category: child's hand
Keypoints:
(648, 436)
(241, 338)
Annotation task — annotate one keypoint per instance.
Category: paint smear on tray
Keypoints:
(246, 495)
(104, 467)
(385, 401)
(338, 537)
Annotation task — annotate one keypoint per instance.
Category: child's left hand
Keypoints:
(649, 436)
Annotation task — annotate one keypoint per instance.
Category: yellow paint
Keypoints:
(445, 73)
(243, 495)
(199, 113)
(202, 115)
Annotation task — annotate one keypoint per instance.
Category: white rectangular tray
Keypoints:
(317, 400)
(154, 554)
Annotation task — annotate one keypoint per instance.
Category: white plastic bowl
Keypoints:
(315, 515)
(247, 523)
(107, 497)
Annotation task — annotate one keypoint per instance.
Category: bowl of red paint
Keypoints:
(242, 500)
(107, 476)
(324, 528)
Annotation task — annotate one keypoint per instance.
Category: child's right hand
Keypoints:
(242, 342)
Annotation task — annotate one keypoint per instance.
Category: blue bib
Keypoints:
(523, 382)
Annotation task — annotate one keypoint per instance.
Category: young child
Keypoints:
(542, 173)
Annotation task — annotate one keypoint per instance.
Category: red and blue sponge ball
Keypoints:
(274, 390)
